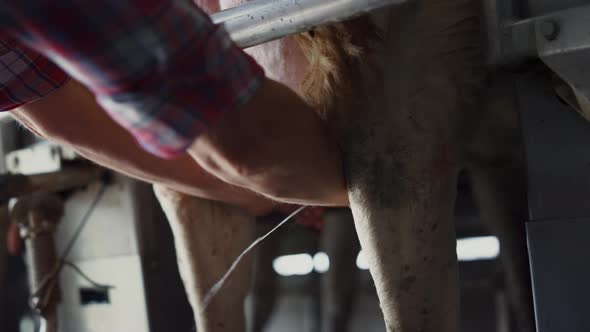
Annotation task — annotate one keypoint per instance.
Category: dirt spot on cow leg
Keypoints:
(407, 283)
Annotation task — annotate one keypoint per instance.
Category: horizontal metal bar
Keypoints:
(261, 21)
(17, 185)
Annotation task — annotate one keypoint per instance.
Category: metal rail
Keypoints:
(16, 185)
(261, 21)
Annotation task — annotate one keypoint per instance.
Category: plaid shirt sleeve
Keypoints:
(161, 69)
(25, 75)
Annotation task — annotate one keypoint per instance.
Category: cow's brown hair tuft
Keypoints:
(335, 53)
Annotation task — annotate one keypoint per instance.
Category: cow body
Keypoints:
(400, 90)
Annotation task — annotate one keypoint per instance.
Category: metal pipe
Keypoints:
(17, 185)
(37, 218)
(261, 21)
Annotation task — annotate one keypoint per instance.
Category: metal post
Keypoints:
(37, 217)
(261, 21)
(556, 140)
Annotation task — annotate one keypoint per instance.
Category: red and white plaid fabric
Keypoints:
(25, 75)
(161, 69)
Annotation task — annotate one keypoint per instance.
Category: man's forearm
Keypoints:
(71, 116)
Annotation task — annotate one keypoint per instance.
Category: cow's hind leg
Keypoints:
(403, 214)
(498, 178)
(265, 284)
(402, 165)
(339, 283)
(499, 194)
(208, 236)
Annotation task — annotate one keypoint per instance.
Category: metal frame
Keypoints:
(556, 146)
(556, 140)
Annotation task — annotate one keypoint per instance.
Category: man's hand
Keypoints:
(275, 145)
